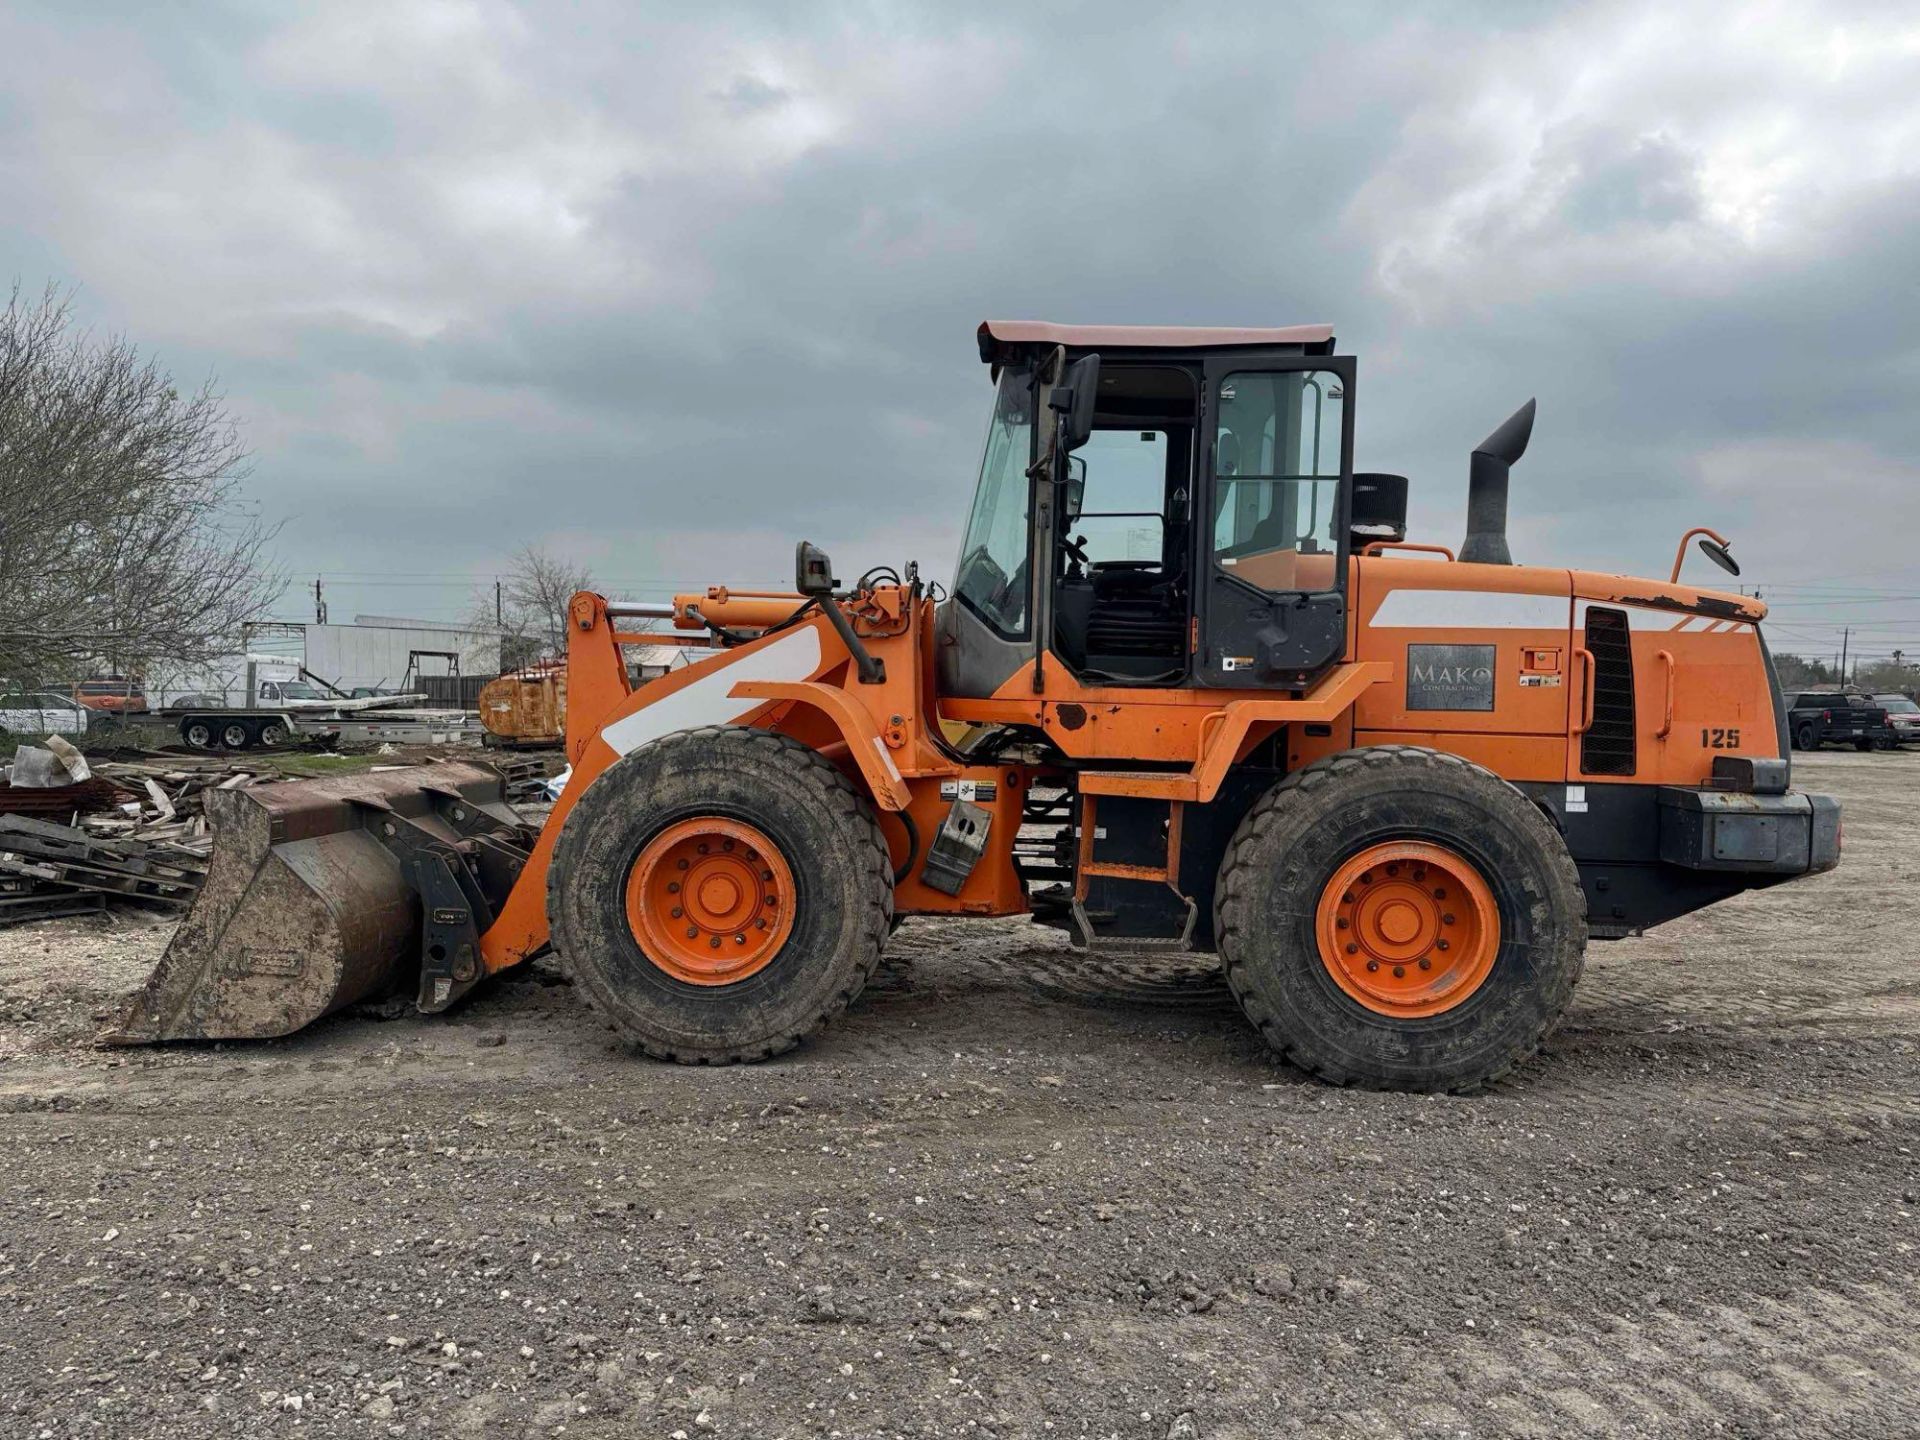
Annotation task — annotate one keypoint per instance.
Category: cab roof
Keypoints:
(1002, 340)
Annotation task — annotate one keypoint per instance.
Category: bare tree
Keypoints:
(531, 615)
(1888, 676)
(122, 539)
(1799, 671)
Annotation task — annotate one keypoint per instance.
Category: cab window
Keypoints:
(1123, 497)
(992, 576)
(1277, 477)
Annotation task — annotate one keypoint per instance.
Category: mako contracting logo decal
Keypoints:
(1450, 677)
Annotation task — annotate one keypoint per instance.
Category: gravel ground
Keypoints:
(1017, 1192)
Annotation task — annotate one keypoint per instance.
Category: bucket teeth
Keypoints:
(307, 907)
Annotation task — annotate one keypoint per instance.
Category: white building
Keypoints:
(379, 650)
(376, 651)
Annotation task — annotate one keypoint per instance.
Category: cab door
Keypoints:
(1271, 566)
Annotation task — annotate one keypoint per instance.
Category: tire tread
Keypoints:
(1234, 892)
(836, 794)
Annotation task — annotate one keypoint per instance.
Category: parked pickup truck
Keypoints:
(41, 713)
(1816, 717)
(1904, 715)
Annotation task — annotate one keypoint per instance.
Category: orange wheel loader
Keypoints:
(1191, 686)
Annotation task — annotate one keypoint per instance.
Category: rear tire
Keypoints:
(1273, 904)
(829, 850)
(197, 734)
(1806, 737)
(235, 736)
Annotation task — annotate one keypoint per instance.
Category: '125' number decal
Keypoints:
(1717, 738)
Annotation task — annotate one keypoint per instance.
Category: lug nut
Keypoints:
(726, 844)
(673, 887)
(1372, 965)
(1352, 949)
(704, 847)
(714, 943)
(692, 930)
(1399, 972)
(766, 875)
(676, 912)
(1446, 919)
(1341, 923)
(1366, 877)
(1426, 963)
(1438, 893)
(682, 864)
(1446, 944)
(1393, 869)
(739, 939)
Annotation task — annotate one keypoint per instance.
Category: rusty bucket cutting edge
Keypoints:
(303, 912)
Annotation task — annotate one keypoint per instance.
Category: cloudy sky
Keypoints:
(665, 287)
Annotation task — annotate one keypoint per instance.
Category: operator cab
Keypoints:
(1191, 531)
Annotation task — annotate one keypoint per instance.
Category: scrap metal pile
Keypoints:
(75, 836)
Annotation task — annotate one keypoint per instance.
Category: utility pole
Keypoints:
(319, 603)
(499, 606)
(1845, 633)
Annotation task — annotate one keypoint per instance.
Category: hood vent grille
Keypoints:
(1608, 747)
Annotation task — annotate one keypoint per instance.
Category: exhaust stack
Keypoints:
(1493, 457)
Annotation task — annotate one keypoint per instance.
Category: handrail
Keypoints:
(1665, 657)
(1375, 547)
(1589, 678)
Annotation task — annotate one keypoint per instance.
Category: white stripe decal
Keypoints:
(1648, 618)
(1410, 609)
(709, 700)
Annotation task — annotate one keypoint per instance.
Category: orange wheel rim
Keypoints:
(1408, 929)
(710, 900)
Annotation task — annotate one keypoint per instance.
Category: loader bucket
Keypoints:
(304, 910)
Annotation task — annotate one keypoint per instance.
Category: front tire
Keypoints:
(1351, 872)
(673, 857)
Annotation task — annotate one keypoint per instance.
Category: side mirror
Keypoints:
(812, 570)
(1076, 491)
(1718, 553)
(1074, 400)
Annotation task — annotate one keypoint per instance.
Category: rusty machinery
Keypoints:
(1191, 687)
(525, 707)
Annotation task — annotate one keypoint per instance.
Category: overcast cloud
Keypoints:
(668, 287)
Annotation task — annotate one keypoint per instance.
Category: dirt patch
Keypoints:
(1020, 1191)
